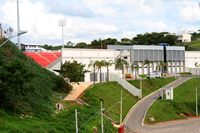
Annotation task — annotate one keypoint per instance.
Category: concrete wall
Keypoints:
(87, 56)
(191, 57)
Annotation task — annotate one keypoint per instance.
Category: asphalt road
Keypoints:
(134, 120)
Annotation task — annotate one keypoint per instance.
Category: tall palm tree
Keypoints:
(196, 66)
(107, 64)
(120, 63)
(92, 63)
(135, 67)
(99, 65)
(147, 62)
(161, 67)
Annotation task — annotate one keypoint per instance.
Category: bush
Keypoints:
(186, 74)
(26, 87)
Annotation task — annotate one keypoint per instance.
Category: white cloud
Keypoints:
(191, 11)
(43, 25)
(94, 19)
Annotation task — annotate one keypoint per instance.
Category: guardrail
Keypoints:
(129, 87)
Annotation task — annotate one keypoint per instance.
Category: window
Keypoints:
(125, 57)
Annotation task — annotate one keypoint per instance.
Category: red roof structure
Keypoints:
(43, 58)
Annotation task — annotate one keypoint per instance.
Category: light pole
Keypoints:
(62, 23)
(121, 107)
(102, 128)
(141, 85)
(18, 26)
(13, 37)
(196, 102)
(76, 117)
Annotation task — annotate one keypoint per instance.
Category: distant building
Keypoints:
(184, 37)
(173, 56)
(32, 48)
(89, 56)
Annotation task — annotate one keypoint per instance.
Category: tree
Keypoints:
(161, 66)
(135, 67)
(73, 70)
(81, 45)
(107, 64)
(99, 65)
(92, 63)
(147, 62)
(120, 63)
(196, 66)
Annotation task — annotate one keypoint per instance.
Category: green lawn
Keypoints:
(151, 85)
(194, 46)
(89, 116)
(181, 107)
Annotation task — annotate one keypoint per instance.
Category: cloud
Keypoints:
(42, 24)
(191, 11)
(92, 19)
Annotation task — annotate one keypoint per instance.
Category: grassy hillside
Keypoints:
(193, 46)
(25, 87)
(88, 116)
(181, 107)
(151, 85)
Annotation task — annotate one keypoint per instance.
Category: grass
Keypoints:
(195, 45)
(88, 116)
(181, 107)
(151, 85)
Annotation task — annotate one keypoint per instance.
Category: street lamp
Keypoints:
(141, 85)
(18, 34)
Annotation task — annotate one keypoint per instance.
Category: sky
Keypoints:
(87, 20)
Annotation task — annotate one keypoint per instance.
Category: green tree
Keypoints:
(135, 67)
(92, 63)
(99, 65)
(120, 64)
(73, 70)
(147, 62)
(107, 64)
(161, 67)
(81, 45)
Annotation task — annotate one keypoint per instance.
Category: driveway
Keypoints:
(134, 120)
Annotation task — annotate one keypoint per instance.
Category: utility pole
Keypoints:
(141, 86)
(76, 117)
(102, 130)
(94, 73)
(121, 109)
(18, 26)
(196, 102)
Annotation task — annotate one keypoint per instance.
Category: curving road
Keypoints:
(134, 120)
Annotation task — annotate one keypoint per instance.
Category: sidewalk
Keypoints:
(77, 90)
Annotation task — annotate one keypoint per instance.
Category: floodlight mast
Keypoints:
(18, 26)
(62, 23)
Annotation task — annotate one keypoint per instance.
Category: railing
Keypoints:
(130, 88)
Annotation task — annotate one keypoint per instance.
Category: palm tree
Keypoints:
(196, 66)
(135, 67)
(161, 67)
(107, 64)
(147, 62)
(92, 63)
(120, 63)
(99, 65)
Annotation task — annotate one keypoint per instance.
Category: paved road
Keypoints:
(134, 119)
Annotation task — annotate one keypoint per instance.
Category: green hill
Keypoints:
(193, 46)
(25, 87)
(182, 106)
